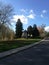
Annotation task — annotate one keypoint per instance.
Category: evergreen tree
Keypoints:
(19, 28)
(35, 31)
(29, 30)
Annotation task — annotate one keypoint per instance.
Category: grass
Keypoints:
(11, 44)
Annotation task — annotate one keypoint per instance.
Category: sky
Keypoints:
(30, 12)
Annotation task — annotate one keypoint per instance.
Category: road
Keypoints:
(36, 55)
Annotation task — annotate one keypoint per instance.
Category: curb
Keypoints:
(7, 53)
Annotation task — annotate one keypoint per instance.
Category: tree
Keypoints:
(6, 12)
(35, 31)
(43, 26)
(29, 30)
(9, 33)
(47, 34)
(6, 33)
(42, 30)
(19, 28)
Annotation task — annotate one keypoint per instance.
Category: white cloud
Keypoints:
(23, 10)
(44, 11)
(23, 18)
(47, 28)
(31, 11)
(31, 16)
(42, 15)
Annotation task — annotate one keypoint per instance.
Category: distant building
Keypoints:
(24, 34)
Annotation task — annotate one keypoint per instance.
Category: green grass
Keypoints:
(11, 44)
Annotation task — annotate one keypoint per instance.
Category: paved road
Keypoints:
(36, 55)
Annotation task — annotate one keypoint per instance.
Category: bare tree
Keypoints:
(6, 12)
(42, 30)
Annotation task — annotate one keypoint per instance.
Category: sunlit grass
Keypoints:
(11, 44)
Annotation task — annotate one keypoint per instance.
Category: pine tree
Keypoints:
(29, 30)
(19, 28)
(35, 31)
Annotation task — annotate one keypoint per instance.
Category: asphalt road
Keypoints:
(36, 55)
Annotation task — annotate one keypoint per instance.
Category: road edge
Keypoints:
(12, 51)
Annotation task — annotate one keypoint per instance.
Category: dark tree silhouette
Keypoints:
(35, 31)
(30, 30)
(19, 28)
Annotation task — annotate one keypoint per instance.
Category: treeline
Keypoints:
(6, 13)
(31, 32)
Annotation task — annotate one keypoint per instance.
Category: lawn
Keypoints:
(11, 44)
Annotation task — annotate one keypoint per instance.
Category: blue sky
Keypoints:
(30, 12)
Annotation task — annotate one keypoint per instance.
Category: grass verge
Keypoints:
(11, 44)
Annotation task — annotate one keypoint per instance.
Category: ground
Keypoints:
(36, 55)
